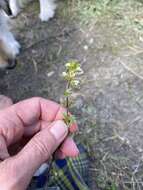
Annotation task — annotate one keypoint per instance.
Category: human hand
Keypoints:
(41, 119)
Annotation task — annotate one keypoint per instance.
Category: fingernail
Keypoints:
(59, 129)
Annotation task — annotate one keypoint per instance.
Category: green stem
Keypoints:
(67, 98)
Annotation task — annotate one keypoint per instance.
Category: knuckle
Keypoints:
(43, 149)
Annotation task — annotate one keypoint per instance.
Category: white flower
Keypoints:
(64, 74)
(68, 65)
(75, 83)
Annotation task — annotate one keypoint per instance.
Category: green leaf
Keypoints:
(67, 92)
(69, 119)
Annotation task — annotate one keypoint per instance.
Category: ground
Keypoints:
(106, 37)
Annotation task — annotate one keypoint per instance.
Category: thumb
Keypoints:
(37, 151)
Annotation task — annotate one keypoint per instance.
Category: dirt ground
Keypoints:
(109, 105)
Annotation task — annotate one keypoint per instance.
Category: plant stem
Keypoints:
(67, 98)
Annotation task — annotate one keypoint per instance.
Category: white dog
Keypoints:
(9, 47)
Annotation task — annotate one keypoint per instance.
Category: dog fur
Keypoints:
(9, 46)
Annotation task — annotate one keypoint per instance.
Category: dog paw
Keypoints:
(45, 16)
(15, 48)
(15, 12)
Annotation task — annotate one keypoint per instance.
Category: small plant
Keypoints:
(71, 76)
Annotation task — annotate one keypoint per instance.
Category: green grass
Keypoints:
(121, 19)
(126, 13)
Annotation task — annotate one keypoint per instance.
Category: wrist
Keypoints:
(12, 175)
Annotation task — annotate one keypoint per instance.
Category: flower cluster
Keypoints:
(73, 70)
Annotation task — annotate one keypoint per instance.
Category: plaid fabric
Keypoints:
(66, 174)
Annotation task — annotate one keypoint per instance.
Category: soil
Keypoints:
(109, 105)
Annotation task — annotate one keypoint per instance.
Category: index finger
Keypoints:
(34, 109)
